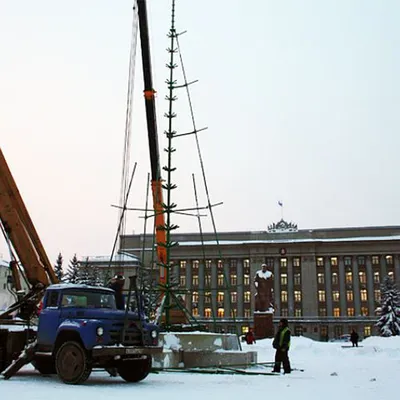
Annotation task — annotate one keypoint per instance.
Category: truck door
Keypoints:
(49, 320)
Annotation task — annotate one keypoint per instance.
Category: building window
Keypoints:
(182, 280)
(207, 312)
(321, 278)
(391, 275)
(195, 312)
(367, 331)
(297, 312)
(247, 297)
(389, 260)
(364, 311)
(349, 295)
(220, 297)
(321, 296)
(195, 297)
(246, 280)
(361, 260)
(208, 264)
(233, 280)
(349, 277)
(362, 276)
(335, 278)
(221, 313)
(377, 295)
(283, 279)
(296, 262)
(375, 260)
(207, 297)
(297, 296)
(207, 280)
(350, 312)
(336, 312)
(234, 297)
(297, 279)
(247, 313)
(182, 264)
(347, 261)
(233, 313)
(283, 262)
(320, 261)
(270, 262)
(364, 296)
(322, 312)
(335, 295)
(195, 280)
(376, 277)
(284, 312)
(220, 280)
(220, 264)
(334, 261)
(195, 265)
(284, 296)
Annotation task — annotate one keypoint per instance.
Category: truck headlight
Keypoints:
(100, 331)
(154, 334)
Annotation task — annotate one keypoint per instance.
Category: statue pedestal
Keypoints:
(263, 324)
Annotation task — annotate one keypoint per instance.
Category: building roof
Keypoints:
(118, 258)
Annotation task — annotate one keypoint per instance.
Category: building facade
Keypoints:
(326, 281)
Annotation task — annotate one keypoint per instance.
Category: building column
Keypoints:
(227, 291)
(240, 288)
(188, 300)
(328, 287)
(201, 287)
(309, 285)
(290, 286)
(383, 267)
(370, 286)
(277, 287)
(214, 287)
(356, 287)
(342, 287)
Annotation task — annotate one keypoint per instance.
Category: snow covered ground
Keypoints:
(330, 372)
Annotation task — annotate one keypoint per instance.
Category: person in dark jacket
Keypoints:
(354, 338)
(281, 344)
(117, 284)
(250, 338)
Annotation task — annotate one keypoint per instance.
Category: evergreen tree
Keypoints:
(389, 311)
(72, 274)
(96, 279)
(58, 267)
(85, 274)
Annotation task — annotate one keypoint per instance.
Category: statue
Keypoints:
(263, 281)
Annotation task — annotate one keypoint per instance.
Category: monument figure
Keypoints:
(263, 281)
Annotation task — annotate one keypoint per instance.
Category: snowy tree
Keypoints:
(96, 278)
(85, 274)
(72, 274)
(389, 311)
(58, 267)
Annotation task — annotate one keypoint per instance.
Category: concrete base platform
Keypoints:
(201, 349)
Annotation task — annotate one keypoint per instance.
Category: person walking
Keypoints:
(354, 338)
(250, 338)
(281, 344)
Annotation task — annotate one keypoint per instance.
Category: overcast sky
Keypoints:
(300, 97)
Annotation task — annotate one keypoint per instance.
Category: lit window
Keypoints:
(367, 331)
(321, 278)
(233, 280)
(195, 265)
(283, 279)
(376, 277)
(297, 279)
(233, 313)
(320, 261)
(375, 260)
(297, 295)
(347, 261)
(283, 262)
(208, 264)
(364, 296)
(296, 262)
(247, 297)
(195, 312)
(246, 280)
(247, 313)
(207, 297)
(363, 277)
(221, 313)
(284, 296)
(364, 311)
(322, 312)
(182, 264)
(220, 264)
(207, 312)
(391, 275)
(335, 295)
(182, 280)
(284, 312)
(234, 297)
(297, 312)
(349, 295)
(220, 297)
(350, 311)
(377, 295)
(389, 260)
(207, 280)
(195, 280)
(321, 295)
(335, 278)
(349, 277)
(336, 312)
(220, 280)
(195, 297)
(334, 261)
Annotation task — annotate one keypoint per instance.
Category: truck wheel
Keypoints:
(135, 370)
(72, 363)
(45, 365)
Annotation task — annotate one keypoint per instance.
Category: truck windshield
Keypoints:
(87, 299)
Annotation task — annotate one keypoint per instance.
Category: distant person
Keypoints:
(281, 344)
(250, 338)
(117, 284)
(354, 338)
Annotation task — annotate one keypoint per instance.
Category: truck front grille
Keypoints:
(133, 336)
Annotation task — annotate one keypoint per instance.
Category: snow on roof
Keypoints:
(121, 257)
(58, 286)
